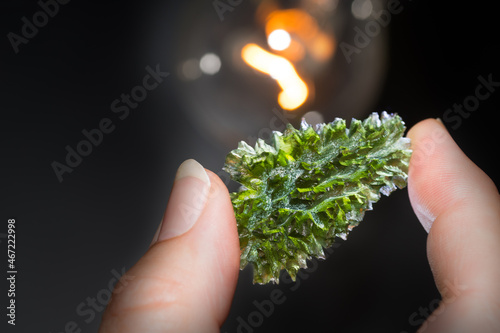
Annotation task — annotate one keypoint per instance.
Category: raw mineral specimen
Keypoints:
(311, 185)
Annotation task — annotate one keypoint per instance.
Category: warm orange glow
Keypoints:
(322, 47)
(299, 23)
(294, 21)
(279, 40)
(294, 92)
(295, 52)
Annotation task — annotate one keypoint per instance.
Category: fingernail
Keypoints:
(420, 206)
(187, 200)
(425, 216)
(157, 233)
(440, 122)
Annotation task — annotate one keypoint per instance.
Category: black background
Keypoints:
(71, 235)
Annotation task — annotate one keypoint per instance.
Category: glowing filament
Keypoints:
(279, 40)
(294, 92)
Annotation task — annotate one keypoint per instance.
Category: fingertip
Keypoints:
(424, 126)
(191, 275)
(427, 170)
(218, 249)
(440, 174)
(458, 204)
(218, 187)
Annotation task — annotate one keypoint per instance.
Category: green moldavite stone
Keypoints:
(311, 185)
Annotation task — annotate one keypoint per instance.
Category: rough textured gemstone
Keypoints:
(310, 185)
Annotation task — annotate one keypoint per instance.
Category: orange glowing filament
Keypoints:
(295, 90)
(299, 23)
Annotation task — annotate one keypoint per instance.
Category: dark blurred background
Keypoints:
(75, 235)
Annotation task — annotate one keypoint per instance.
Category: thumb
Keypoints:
(186, 280)
(459, 205)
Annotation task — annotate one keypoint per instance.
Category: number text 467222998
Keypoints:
(11, 271)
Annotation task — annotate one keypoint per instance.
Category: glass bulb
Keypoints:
(267, 63)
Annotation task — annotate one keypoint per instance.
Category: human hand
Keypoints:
(186, 281)
(459, 205)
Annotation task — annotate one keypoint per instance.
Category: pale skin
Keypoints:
(186, 280)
